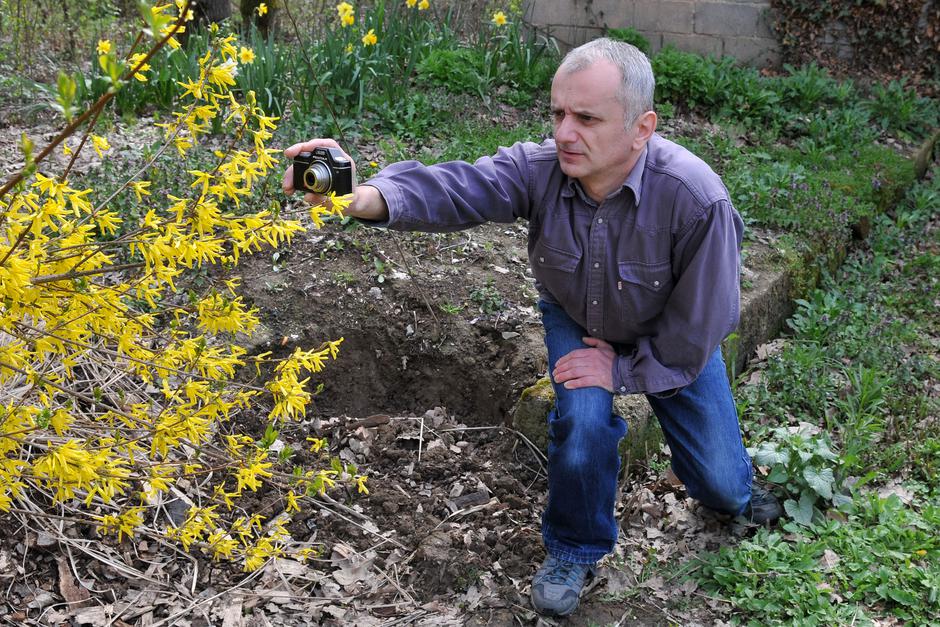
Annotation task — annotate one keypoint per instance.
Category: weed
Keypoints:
(488, 299)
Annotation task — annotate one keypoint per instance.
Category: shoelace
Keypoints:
(562, 572)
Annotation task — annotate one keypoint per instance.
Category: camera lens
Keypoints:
(318, 178)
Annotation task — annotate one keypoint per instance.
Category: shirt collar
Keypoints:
(633, 182)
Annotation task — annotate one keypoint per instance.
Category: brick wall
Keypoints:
(737, 28)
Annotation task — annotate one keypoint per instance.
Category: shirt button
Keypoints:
(593, 330)
(623, 388)
(655, 283)
(541, 259)
(597, 265)
(600, 220)
(593, 302)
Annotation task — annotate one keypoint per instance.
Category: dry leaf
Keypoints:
(75, 595)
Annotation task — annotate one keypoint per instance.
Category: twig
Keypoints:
(421, 439)
(170, 620)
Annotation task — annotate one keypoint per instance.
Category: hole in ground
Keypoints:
(473, 372)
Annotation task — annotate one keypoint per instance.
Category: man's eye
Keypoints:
(586, 118)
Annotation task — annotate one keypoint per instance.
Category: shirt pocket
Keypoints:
(643, 289)
(555, 270)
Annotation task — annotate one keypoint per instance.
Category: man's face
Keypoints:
(593, 144)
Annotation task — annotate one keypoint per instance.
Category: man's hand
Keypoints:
(587, 367)
(367, 202)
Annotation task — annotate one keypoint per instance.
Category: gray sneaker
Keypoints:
(557, 586)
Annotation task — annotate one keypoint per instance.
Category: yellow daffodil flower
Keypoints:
(103, 47)
(424, 4)
(499, 18)
(246, 55)
(369, 39)
(411, 3)
(261, 9)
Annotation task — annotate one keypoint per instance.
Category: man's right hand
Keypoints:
(367, 202)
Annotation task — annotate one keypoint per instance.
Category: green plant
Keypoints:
(896, 108)
(488, 299)
(451, 308)
(631, 36)
(802, 461)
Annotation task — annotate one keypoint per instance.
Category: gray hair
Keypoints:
(637, 84)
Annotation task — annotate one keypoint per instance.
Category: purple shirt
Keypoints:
(653, 269)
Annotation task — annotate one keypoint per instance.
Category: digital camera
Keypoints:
(323, 170)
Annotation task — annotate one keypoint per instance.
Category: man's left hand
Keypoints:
(587, 367)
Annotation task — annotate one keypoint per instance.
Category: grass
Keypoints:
(856, 376)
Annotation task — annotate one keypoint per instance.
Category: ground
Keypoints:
(440, 335)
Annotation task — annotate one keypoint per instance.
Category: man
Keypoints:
(635, 245)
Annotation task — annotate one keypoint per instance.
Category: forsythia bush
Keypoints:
(116, 393)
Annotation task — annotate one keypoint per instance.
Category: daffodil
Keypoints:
(103, 47)
(369, 39)
(261, 9)
(346, 14)
(246, 55)
(411, 3)
(424, 4)
(499, 18)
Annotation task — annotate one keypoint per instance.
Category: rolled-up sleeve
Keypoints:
(457, 195)
(702, 310)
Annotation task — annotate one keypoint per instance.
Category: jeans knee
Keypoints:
(721, 490)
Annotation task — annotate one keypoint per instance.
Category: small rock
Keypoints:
(376, 293)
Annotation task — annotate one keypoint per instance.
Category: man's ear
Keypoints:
(645, 127)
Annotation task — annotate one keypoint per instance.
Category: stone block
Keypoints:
(702, 44)
(655, 39)
(611, 13)
(725, 18)
(664, 17)
(644, 435)
(752, 51)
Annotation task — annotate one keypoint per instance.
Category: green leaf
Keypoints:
(902, 596)
(66, 95)
(801, 512)
(779, 474)
(820, 480)
(768, 455)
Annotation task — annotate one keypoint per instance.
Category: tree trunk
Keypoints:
(248, 9)
(209, 11)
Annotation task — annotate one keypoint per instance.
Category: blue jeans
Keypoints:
(700, 424)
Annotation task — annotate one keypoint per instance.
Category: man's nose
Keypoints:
(565, 130)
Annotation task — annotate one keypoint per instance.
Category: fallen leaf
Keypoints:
(75, 595)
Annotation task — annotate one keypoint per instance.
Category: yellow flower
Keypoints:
(411, 3)
(361, 484)
(100, 144)
(104, 46)
(141, 188)
(499, 18)
(424, 4)
(246, 55)
(317, 444)
(369, 39)
(261, 9)
(374, 164)
(346, 14)
(349, 48)
(134, 60)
